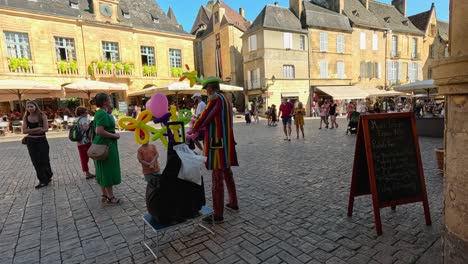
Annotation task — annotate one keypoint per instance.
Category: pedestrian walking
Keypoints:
(323, 115)
(268, 115)
(35, 126)
(286, 111)
(219, 148)
(254, 110)
(85, 142)
(274, 115)
(107, 171)
(248, 119)
(299, 113)
(333, 113)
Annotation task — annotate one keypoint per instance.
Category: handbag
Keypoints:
(98, 152)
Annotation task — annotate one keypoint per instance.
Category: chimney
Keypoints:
(242, 12)
(365, 3)
(296, 7)
(400, 5)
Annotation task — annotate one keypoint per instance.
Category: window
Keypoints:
(302, 41)
(429, 73)
(216, 17)
(147, 55)
(363, 69)
(412, 71)
(433, 30)
(65, 49)
(155, 19)
(340, 73)
(252, 42)
(431, 51)
(414, 48)
(446, 51)
(340, 44)
(394, 51)
(324, 69)
(17, 45)
(175, 58)
(375, 41)
(288, 42)
(110, 51)
(363, 40)
(323, 41)
(394, 71)
(379, 70)
(125, 13)
(288, 71)
(253, 79)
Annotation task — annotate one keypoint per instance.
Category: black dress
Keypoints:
(38, 148)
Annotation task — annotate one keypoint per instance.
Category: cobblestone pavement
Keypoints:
(293, 199)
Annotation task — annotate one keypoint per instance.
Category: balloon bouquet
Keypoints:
(156, 111)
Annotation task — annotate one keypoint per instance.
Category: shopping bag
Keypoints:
(191, 164)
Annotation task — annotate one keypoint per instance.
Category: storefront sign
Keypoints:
(123, 107)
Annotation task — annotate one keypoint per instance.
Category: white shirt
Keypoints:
(201, 106)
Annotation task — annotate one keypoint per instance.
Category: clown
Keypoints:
(219, 147)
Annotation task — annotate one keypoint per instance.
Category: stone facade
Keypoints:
(452, 79)
(88, 36)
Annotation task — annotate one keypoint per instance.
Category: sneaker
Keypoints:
(217, 219)
(232, 208)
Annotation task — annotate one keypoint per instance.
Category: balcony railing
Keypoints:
(395, 54)
(415, 56)
(20, 65)
(149, 71)
(111, 69)
(67, 68)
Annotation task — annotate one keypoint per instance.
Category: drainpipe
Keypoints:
(311, 92)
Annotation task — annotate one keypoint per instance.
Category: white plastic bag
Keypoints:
(191, 164)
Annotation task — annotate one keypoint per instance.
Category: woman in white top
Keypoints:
(85, 142)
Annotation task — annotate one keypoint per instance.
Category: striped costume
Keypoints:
(217, 118)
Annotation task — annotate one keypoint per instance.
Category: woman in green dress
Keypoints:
(107, 171)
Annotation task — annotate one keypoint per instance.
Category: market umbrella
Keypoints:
(87, 88)
(421, 86)
(25, 89)
(181, 88)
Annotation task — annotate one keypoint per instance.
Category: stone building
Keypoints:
(59, 42)
(435, 42)
(276, 57)
(354, 46)
(218, 44)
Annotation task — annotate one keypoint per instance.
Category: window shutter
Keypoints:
(340, 43)
(257, 77)
(410, 72)
(323, 41)
(400, 69)
(287, 38)
(254, 42)
(420, 77)
(249, 79)
(363, 40)
(389, 71)
(375, 42)
(369, 69)
(324, 69)
(379, 70)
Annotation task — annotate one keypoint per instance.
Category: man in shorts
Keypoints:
(286, 111)
(197, 99)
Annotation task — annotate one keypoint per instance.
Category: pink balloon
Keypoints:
(158, 104)
(148, 104)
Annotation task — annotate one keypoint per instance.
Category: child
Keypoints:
(247, 116)
(148, 157)
(299, 114)
(268, 115)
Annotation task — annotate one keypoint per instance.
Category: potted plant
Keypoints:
(115, 113)
(180, 72)
(73, 66)
(174, 72)
(62, 66)
(118, 66)
(146, 70)
(101, 65)
(128, 68)
(91, 69)
(153, 70)
(109, 66)
(14, 64)
(24, 63)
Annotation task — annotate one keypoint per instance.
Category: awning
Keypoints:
(290, 94)
(425, 86)
(374, 92)
(181, 88)
(343, 92)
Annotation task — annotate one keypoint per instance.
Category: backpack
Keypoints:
(90, 132)
(76, 132)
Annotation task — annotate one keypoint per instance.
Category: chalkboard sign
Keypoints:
(387, 164)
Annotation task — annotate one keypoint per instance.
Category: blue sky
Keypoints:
(186, 10)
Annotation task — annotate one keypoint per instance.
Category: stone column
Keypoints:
(451, 75)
